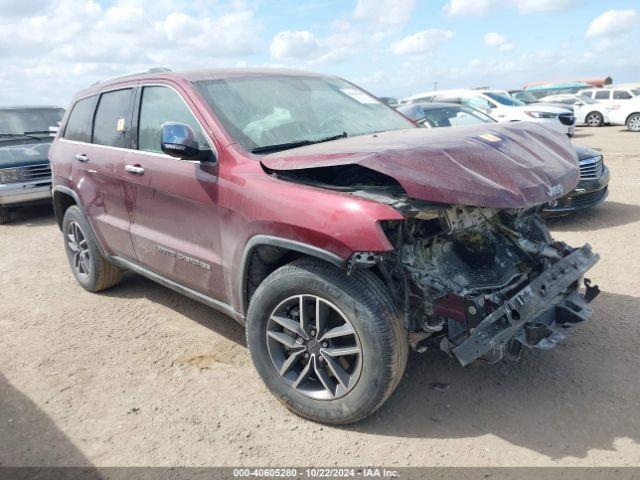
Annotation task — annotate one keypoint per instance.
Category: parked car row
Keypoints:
(503, 107)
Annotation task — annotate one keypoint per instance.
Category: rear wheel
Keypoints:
(594, 119)
(91, 269)
(5, 215)
(331, 347)
(633, 122)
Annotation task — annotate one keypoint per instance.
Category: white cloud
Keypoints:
(612, 22)
(48, 55)
(455, 8)
(385, 12)
(534, 6)
(293, 44)
(495, 39)
(11, 8)
(421, 42)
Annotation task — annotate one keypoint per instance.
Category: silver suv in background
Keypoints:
(25, 173)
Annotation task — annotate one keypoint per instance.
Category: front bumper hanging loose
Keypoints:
(545, 296)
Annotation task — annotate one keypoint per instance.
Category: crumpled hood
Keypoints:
(23, 154)
(510, 165)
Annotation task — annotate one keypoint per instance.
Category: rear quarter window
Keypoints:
(78, 126)
(111, 124)
(621, 95)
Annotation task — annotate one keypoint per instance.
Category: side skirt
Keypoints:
(177, 287)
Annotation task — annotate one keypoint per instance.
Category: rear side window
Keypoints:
(112, 118)
(602, 95)
(158, 106)
(621, 95)
(79, 124)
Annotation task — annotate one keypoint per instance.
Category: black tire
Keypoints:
(633, 122)
(594, 119)
(5, 215)
(96, 273)
(365, 301)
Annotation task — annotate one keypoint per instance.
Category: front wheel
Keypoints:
(595, 119)
(331, 347)
(91, 269)
(633, 122)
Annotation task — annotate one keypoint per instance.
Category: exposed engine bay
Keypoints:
(481, 283)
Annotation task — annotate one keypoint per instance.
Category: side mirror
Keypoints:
(179, 140)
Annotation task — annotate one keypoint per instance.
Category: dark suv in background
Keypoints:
(334, 228)
(25, 174)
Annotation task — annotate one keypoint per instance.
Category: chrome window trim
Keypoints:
(141, 85)
(144, 152)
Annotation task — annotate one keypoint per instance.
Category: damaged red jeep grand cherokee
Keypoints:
(334, 229)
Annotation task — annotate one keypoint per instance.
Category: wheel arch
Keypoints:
(263, 254)
(63, 198)
(626, 120)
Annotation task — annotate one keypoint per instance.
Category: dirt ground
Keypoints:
(139, 375)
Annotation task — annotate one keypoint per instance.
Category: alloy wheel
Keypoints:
(634, 123)
(78, 250)
(594, 120)
(314, 347)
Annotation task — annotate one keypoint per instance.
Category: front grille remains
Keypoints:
(588, 199)
(591, 168)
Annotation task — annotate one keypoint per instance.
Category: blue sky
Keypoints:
(51, 48)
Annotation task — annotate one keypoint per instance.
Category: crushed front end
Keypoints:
(481, 283)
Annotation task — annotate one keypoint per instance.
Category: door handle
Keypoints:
(135, 169)
(81, 157)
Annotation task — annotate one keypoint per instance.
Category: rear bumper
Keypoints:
(14, 194)
(538, 315)
(587, 194)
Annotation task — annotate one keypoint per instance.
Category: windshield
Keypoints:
(285, 109)
(587, 100)
(504, 99)
(526, 97)
(29, 120)
(455, 116)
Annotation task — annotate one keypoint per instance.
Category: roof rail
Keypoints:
(151, 70)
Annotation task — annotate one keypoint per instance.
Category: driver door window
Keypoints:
(159, 105)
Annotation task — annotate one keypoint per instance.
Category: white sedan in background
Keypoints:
(626, 113)
(587, 111)
(503, 108)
